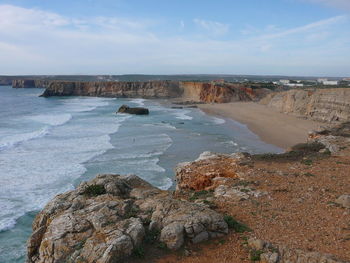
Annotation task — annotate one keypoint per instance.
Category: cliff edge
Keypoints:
(326, 105)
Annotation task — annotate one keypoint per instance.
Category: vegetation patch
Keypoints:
(255, 255)
(152, 236)
(139, 252)
(298, 152)
(200, 194)
(235, 225)
(94, 190)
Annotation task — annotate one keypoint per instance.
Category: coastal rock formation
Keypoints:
(107, 218)
(30, 83)
(265, 252)
(326, 105)
(221, 93)
(150, 89)
(187, 91)
(136, 110)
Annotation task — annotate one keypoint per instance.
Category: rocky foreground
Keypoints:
(290, 207)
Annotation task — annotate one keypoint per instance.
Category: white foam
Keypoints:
(181, 114)
(139, 102)
(8, 142)
(85, 104)
(218, 120)
(162, 125)
(54, 120)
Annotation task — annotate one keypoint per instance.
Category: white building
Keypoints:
(330, 82)
(284, 81)
(327, 82)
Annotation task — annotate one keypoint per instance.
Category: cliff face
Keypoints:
(152, 89)
(30, 83)
(221, 93)
(190, 91)
(327, 105)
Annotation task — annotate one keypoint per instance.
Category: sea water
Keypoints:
(50, 145)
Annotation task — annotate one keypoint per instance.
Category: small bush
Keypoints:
(307, 162)
(235, 225)
(199, 194)
(139, 252)
(255, 255)
(152, 236)
(94, 190)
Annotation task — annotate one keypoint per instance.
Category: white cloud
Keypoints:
(34, 41)
(214, 28)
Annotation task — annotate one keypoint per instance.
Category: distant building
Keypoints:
(346, 79)
(330, 82)
(294, 85)
(327, 82)
(284, 81)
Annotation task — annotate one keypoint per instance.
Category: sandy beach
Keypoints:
(272, 127)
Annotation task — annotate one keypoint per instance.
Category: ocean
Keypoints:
(50, 145)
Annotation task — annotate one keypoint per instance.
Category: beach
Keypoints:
(271, 126)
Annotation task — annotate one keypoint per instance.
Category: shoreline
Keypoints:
(270, 126)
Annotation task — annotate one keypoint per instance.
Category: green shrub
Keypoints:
(235, 225)
(255, 255)
(94, 190)
(139, 252)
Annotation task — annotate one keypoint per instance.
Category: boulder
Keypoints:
(106, 219)
(136, 110)
(344, 201)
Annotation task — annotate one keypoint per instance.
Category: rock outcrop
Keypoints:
(30, 83)
(221, 93)
(265, 252)
(136, 110)
(188, 91)
(150, 89)
(326, 105)
(106, 219)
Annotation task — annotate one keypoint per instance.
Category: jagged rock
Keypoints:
(136, 110)
(105, 219)
(205, 172)
(283, 254)
(344, 201)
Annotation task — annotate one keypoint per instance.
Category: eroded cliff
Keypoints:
(327, 105)
(187, 91)
(30, 83)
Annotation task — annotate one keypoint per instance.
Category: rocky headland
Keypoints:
(208, 92)
(290, 207)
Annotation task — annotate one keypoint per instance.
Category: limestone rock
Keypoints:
(326, 105)
(344, 201)
(105, 219)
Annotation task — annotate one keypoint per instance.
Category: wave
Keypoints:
(218, 120)
(85, 104)
(53, 120)
(13, 140)
(163, 125)
(182, 115)
(139, 102)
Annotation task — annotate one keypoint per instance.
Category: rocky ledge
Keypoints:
(106, 219)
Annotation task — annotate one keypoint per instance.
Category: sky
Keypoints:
(255, 37)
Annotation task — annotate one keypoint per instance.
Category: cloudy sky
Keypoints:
(277, 37)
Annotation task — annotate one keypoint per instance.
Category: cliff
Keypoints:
(221, 93)
(30, 83)
(327, 105)
(151, 89)
(188, 91)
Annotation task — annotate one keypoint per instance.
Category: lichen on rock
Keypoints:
(107, 226)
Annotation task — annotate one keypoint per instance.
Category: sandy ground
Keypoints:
(272, 127)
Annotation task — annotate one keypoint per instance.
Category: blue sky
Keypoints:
(272, 37)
